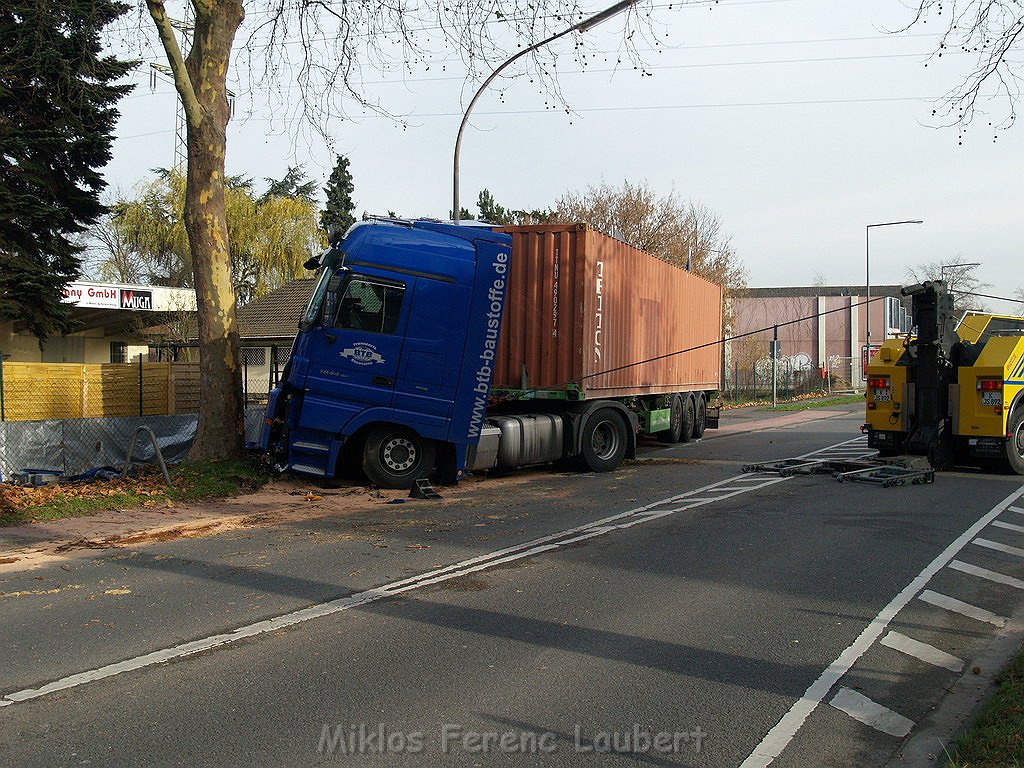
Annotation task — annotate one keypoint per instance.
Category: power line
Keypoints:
(770, 62)
(521, 394)
(1018, 300)
(639, 108)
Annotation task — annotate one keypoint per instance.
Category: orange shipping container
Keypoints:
(583, 307)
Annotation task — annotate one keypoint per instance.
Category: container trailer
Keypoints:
(436, 349)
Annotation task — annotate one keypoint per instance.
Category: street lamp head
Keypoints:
(604, 15)
(893, 223)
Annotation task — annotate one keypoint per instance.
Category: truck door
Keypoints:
(429, 371)
(354, 363)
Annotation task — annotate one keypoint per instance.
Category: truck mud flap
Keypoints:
(712, 419)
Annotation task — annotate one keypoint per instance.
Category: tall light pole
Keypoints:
(944, 267)
(867, 268)
(582, 26)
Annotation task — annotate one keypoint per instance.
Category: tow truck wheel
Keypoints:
(675, 431)
(1015, 441)
(395, 457)
(604, 441)
(701, 418)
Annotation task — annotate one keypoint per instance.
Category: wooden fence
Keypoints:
(31, 391)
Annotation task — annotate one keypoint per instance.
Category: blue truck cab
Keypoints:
(394, 353)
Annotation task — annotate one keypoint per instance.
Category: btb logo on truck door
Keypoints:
(362, 353)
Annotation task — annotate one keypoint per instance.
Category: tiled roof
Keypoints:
(275, 315)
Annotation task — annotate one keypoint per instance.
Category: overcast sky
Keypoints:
(797, 121)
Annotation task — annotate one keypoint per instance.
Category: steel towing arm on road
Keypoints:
(886, 473)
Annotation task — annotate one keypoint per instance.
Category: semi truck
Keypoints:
(433, 349)
(954, 391)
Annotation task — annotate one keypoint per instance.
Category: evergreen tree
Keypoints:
(489, 209)
(339, 207)
(294, 184)
(57, 111)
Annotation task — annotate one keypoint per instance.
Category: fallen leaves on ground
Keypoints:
(148, 484)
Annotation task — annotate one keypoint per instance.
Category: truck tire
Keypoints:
(700, 420)
(604, 440)
(689, 417)
(674, 433)
(1015, 441)
(395, 457)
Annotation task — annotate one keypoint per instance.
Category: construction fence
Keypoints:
(69, 418)
(165, 385)
(752, 379)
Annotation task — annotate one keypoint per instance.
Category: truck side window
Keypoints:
(369, 306)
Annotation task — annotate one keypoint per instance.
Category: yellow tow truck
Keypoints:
(954, 392)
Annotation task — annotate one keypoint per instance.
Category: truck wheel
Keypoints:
(395, 457)
(604, 442)
(675, 431)
(700, 421)
(689, 418)
(1015, 441)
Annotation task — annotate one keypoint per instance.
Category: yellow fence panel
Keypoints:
(33, 391)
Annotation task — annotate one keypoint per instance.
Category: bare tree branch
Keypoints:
(992, 32)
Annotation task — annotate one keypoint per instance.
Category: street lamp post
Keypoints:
(582, 26)
(867, 270)
(944, 267)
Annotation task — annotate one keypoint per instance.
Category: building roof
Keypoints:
(819, 290)
(276, 314)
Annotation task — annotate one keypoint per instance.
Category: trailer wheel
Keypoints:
(700, 421)
(675, 432)
(604, 441)
(395, 457)
(1015, 441)
(689, 418)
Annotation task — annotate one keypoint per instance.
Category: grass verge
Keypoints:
(804, 405)
(189, 482)
(996, 738)
(798, 403)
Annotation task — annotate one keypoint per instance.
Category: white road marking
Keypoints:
(860, 707)
(778, 738)
(964, 609)
(985, 573)
(1018, 510)
(929, 654)
(1008, 526)
(690, 500)
(999, 547)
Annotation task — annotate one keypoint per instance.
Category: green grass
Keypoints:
(803, 405)
(189, 482)
(996, 738)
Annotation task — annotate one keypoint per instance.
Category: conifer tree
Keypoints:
(339, 207)
(57, 112)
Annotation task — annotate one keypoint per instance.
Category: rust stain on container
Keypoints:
(582, 305)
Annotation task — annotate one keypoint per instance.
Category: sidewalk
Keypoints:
(755, 418)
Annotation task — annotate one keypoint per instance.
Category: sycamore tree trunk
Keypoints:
(201, 82)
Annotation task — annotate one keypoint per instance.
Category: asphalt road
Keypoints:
(671, 613)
